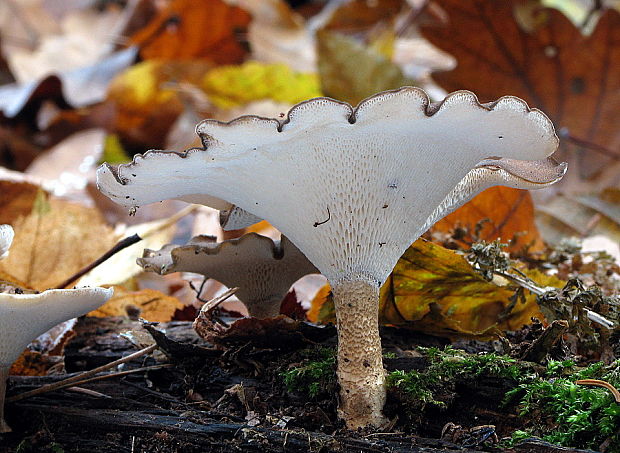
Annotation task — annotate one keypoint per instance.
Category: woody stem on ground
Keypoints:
(360, 362)
(4, 375)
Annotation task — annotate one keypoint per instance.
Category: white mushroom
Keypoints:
(263, 270)
(231, 216)
(6, 239)
(23, 317)
(353, 188)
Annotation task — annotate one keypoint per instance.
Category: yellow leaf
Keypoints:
(350, 71)
(145, 100)
(149, 304)
(435, 290)
(231, 86)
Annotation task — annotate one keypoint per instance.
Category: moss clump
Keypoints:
(444, 369)
(568, 414)
(316, 376)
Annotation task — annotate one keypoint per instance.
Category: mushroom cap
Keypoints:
(6, 239)
(352, 188)
(263, 269)
(23, 317)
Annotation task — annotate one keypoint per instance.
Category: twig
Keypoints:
(217, 301)
(80, 377)
(115, 374)
(410, 19)
(565, 134)
(121, 245)
(539, 291)
(603, 384)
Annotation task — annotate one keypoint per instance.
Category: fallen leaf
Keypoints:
(510, 214)
(206, 29)
(231, 86)
(356, 16)
(78, 87)
(572, 77)
(351, 72)
(277, 34)
(34, 363)
(16, 198)
(579, 215)
(435, 290)
(70, 165)
(84, 37)
(154, 306)
(146, 101)
(55, 241)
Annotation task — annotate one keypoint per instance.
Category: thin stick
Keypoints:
(112, 375)
(121, 245)
(537, 290)
(564, 133)
(81, 376)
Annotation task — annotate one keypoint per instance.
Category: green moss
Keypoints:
(443, 370)
(568, 414)
(316, 376)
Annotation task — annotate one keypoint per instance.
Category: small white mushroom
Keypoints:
(353, 188)
(263, 270)
(6, 239)
(23, 317)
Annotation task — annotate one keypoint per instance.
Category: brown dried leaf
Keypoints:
(149, 304)
(573, 78)
(55, 241)
(195, 29)
(356, 16)
(16, 199)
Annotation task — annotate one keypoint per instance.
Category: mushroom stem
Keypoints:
(360, 363)
(263, 309)
(4, 375)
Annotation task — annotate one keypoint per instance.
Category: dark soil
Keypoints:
(234, 399)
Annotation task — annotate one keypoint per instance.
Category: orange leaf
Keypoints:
(195, 29)
(510, 214)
